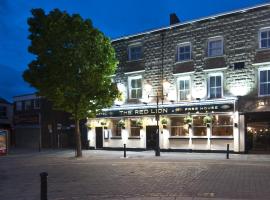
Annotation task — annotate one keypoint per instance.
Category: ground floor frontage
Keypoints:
(198, 126)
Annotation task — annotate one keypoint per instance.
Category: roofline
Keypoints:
(28, 94)
(191, 21)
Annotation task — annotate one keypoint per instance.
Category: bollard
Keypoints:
(43, 186)
(125, 154)
(228, 151)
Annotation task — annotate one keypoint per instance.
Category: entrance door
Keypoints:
(99, 138)
(151, 137)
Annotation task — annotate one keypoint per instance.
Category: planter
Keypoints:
(164, 126)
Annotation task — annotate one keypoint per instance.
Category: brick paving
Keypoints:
(106, 175)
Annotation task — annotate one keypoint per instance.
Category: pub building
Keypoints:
(206, 82)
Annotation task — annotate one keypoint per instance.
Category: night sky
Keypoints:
(113, 17)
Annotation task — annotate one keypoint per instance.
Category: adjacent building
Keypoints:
(6, 125)
(38, 125)
(207, 79)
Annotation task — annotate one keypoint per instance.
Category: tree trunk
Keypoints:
(78, 139)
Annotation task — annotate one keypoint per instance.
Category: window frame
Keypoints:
(183, 78)
(179, 126)
(184, 44)
(130, 78)
(222, 126)
(134, 46)
(209, 88)
(260, 37)
(19, 108)
(4, 112)
(259, 80)
(212, 39)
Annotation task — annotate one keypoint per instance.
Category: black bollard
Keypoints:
(43, 186)
(125, 153)
(228, 151)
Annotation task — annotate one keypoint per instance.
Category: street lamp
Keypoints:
(157, 96)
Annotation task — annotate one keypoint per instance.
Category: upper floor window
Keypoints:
(264, 36)
(264, 82)
(27, 105)
(18, 105)
(37, 103)
(215, 85)
(184, 88)
(183, 52)
(3, 111)
(135, 52)
(135, 87)
(215, 47)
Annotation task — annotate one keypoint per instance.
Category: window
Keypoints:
(134, 129)
(199, 128)
(135, 87)
(264, 82)
(3, 111)
(135, 52)
(184, 88)
(116, 129)
(215, 47)
(222, 125)
(178, 127)
(37, 103)
(183, 52)
(27, 105)
(264, 37)
(18, 105)
(215, 86)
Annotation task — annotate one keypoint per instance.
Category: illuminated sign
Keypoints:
(168, 110)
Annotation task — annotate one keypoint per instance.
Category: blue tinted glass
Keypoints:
(187, 84)
(218, 80)
(218, 92)
(212, 93)
(182, 50)
(212, 81)
(182, 57)
(182, 85)
(187, 49)
(263, 76)
(264, 43)
(263, 89)
(264, 34)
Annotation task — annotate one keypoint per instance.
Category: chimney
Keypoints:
(174, 19)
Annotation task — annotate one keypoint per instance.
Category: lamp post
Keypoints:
(157, 96)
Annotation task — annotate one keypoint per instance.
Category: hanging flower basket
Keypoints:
(121, 124)
(139, 123)
(164, 122)
(188, 120)
(207, 120)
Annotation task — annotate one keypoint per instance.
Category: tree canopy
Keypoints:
(73, 65)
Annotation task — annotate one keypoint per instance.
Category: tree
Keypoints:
(73, 65)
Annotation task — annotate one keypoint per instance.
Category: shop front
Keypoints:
(197, 126)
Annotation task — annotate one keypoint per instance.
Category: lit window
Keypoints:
(199, 128)
(264, 36)
(178, 127)
(18, 105)
(264, 83)
(134, 129)
(222, 125)
(3, 111)
(135, 87)
(215, 86)
(116, 129)
(215, 47)
(135, 52)
(183, 52)
(184, 88)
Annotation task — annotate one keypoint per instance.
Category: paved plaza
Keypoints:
(107, 175)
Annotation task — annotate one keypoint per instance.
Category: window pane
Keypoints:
(139, 93)
(181, 50)
(135, 131)
(218, 92)
(198, 120)
(264, 34)
(199, 131)
(179, 131)
(264, 43)
(182, 84)
(182, 57)
(212, 93)
(139, 83)
(187, 84)
(212, 81)
(263, 76)
(218, 81)
(133, 94)
(263, 89)
(222, 131)
(133, 82)
(187, 49)
(219, 120)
